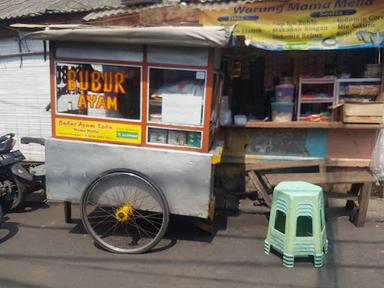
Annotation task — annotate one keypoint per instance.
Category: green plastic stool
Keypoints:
(297, 222)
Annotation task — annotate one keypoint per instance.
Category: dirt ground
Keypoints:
(37, 249)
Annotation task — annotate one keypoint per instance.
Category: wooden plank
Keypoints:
(265, 181)
(260, 188)
(348, 162)
(364, 109)
(363, 119)
(283, 164)
(243, 158)
(322, 167)
(351, 144)
(363, 204)
(256, 164)
(370, 112)
(326, 178)
(304, 124)
(248, 206)
(344, 196)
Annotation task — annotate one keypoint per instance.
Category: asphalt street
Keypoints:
(37, 249)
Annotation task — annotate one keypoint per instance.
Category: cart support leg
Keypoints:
(68, 212)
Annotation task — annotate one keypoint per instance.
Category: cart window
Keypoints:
(174, 137)
(176, 96)
(216, 98)
(214, 122)
(98, 90)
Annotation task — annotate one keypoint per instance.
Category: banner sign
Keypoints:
(98, 90)
(94, 90)
(96, 130)
(305, 24)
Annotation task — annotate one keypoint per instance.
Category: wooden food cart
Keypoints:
(134, 125)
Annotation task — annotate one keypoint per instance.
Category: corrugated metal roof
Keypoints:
(10, 9)
(126, 10)
(206, 4)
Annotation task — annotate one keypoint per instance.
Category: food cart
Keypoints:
(134, 124)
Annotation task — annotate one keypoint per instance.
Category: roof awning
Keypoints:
(190, 36)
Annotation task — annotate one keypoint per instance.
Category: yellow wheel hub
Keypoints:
(123, 213)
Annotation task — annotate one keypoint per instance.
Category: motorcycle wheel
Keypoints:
(1, 214)
(18, 194)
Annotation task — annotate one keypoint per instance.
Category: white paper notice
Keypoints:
(181, 109)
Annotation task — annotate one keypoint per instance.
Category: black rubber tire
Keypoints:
(1, 214)
(153, 191)
(19, 195)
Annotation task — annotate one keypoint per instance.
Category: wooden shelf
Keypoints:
(318, 81)
(317, 100)
(360, 80)
(306, 125)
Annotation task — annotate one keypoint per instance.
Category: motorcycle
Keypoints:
(37, 170)
(14, 178)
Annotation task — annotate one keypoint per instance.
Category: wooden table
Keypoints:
(362, 178)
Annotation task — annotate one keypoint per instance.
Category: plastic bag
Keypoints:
(377, 162)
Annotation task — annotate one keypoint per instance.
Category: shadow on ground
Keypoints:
(180, 228)
(9, 229)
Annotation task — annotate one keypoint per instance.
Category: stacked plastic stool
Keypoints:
(297, 222)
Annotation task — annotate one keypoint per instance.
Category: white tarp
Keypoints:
(190, 36)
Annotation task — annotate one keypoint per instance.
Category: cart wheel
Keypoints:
(124, 212)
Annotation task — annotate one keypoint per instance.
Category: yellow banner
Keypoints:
(305, 24)
(101, 131)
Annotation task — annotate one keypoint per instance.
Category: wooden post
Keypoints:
(260, 188)
(363, 204)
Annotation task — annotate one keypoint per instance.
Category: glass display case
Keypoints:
(150, 96)
(176, 96)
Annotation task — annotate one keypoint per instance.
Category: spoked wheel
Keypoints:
(124, 212)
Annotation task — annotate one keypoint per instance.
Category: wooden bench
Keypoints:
(262, 186)
(362, 182)
(363, 178)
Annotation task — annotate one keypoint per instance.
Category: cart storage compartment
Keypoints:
(185, 178)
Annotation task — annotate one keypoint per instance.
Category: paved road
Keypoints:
(37, 249)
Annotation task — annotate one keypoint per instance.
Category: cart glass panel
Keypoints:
(176, 96)
(216, 100)
(98, 90)
(174, 137)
